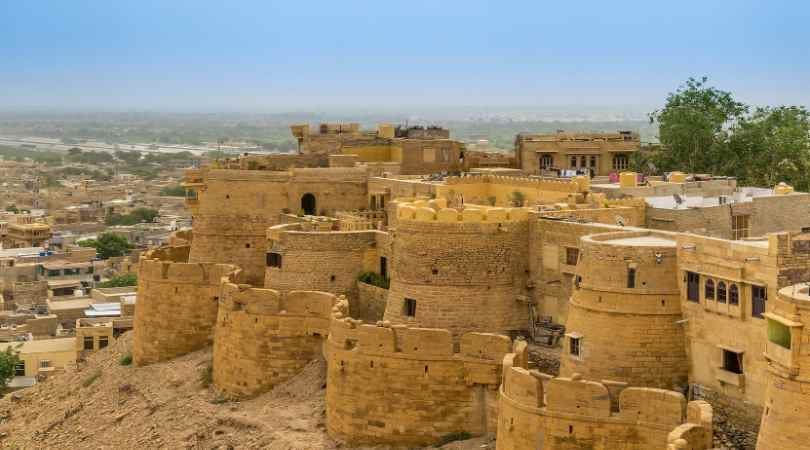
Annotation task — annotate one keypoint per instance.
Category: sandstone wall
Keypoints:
(235, 207)
(177, 304)
(464, 269)
(264, 337)
(550, 242)
(627, 334)
(540, 411)
(327, 261)
(408, 386)
(369, 304)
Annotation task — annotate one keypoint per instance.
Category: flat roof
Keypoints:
(43, 345)
(644, 241)
(79, 303)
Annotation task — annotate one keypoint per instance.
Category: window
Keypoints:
(573, 162)
(88, 342)
(740, 226)
(732, 361)
(733, 294)
(709, 290)
(428, 154)
(759, 297)
(409, 307)
(383, 267)
(620, 162)
(103, 341)
(593, 162)
(90, 270)
(19, 369)
(571, 256)
(274, 259)
(631, 277)
(54, 273)
(44, 364)
(721, 292)
(583, 161)
(692, 287)
(574, 346)
(546, 161)
(779, 333)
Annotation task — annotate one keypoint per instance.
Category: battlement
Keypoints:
(435, 211)
(605, 415)
(542, 184)
(401, 341)
(264, 336)
(431, 385)
(177, 303)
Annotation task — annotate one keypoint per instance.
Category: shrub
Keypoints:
(452, 437)
(374, 279)
(207, 375)
(125, 360)
(92, 378)
(518, 198)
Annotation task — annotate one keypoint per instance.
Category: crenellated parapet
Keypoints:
(264, 337)
(177, 304)
(396, 385)
(460, 270)
(542, 184)
(541, 411)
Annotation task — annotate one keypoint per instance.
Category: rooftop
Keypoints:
(43, 346)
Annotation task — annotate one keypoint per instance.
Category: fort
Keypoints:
(422, 287)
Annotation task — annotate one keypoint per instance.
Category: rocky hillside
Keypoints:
(103, 404)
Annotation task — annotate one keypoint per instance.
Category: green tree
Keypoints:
(137, 215)
(693, 125)
(771, 145)
(173, 191)
(129, 279)
(108, 245)
(9, 358)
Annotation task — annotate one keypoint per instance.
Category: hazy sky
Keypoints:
(304, 55)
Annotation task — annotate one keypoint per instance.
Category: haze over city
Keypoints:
(278, 56)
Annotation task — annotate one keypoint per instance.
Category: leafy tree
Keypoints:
(12, 208)
(129, 279)
(694, 120)
(771, 145)
(108, 245)
(173, 191)
(9, 358)
(137, 215)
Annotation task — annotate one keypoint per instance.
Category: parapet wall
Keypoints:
(263, 337)
(177, 304)
(327, 261)
(401, 386)
(624, 312)
(540, 411)
(559, 185)
(462, 270)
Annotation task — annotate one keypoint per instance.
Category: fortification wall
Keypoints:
(485, 189)
(622, 331)
(777, 213)
(327, 261)
(235, 207)
(712, 221)
(394, 385)
(784, 419)
(264, 337)
(459, 270)
(540, 411)
(370, 303)
(177, 304)
(553, 253)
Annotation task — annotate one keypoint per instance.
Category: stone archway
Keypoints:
(308, 204)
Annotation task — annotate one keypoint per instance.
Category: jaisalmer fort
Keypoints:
(452, 293)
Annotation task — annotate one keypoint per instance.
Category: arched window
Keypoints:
(709, 292)
(721, 292)
(308, 204)
(733, 294)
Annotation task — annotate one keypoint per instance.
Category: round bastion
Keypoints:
(624, 315)
(458, 269)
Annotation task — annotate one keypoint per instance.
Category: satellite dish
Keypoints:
(678, 199)
(620, 221)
